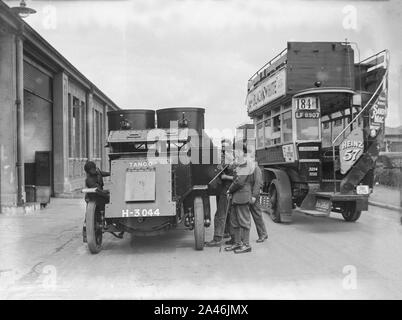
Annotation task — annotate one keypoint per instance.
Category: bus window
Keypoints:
(326, 134)
(260, 135)
(268, 132)
(337, 127)
(347, 131)
(307, 129)
(287, 126)
(276, 129)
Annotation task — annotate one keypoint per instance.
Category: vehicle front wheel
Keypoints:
(349, 212)
(199, 228)
(94, 231)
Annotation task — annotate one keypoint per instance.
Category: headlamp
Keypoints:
(373, 133)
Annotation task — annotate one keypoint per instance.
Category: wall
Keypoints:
(8, 125)
(60, 134)
(76, 162)
(36, 137)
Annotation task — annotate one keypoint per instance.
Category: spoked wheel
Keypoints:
(349, 212)
(199, 229)
(273, 197)
(93, 227)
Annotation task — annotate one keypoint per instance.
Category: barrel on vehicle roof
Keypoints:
(139, 119)
(194, 117)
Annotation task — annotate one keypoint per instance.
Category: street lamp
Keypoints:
(23, 11)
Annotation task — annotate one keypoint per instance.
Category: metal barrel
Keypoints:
(193, 116)
(138, 119)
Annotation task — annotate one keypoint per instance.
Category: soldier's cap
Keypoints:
(240, 145)
(89, 165)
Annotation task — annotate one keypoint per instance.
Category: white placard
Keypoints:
(288, 153)
(268, 90)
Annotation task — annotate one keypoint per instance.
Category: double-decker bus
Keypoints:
(319, 121)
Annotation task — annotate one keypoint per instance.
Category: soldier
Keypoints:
(221, 219)
(255, 209)
(240, 192)
(94, 179)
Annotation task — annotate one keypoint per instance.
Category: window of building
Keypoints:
(77, 125)
(71, 127)
(83, 130)
(97, 133)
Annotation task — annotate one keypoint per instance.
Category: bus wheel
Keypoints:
(199, 229)
(349, 212)
(274, 208)
(93, 227)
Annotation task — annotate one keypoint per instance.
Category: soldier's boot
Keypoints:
(262, 239)
(233, 247)
(215, 242)
(243, 249)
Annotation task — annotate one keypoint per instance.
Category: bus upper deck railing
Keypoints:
(270, 62)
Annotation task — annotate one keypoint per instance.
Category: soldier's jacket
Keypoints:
(96, 181)
(242, 186)
(257, 182)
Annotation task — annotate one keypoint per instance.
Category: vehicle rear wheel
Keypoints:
(349, 212)
(274, 208)
(199, 229)
(93, 227)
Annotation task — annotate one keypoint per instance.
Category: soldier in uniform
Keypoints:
(240, 192)
(221, 219)
(255, 209)
(94, 179)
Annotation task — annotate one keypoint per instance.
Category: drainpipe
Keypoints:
(20, 120)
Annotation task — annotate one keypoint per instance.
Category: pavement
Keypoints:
(386, 197)
(42, 256)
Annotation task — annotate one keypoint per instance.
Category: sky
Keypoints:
(166, 53)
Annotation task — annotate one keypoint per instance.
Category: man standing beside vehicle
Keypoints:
(240, 192)
(222, 219)
(255, 209)
(94, 179)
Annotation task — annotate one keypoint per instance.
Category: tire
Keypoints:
(349, 213)
(199, 228)
(93, 228)
(273, 196)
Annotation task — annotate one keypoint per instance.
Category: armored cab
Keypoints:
(160, 172)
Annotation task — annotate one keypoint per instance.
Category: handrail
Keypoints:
(268, 63)
(358, 115)
(374, 55)
(361, 111)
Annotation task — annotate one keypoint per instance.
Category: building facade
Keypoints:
(393, 139)
(47, 108)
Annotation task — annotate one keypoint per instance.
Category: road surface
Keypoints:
(42, 256)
